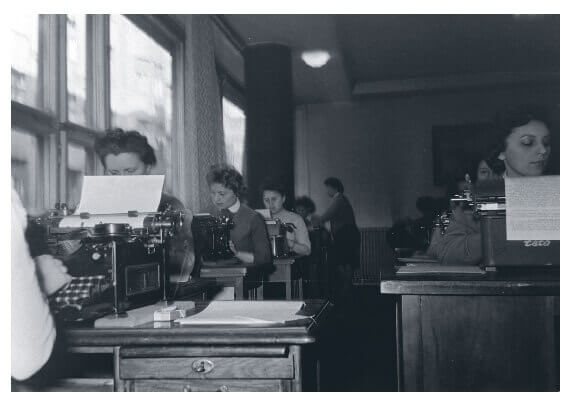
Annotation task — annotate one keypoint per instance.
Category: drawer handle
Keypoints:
(187, 388)
(223, 388)
(202, 366)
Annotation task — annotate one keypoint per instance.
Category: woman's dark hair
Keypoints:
(335, 183)
(117, 141)
(275, 187)
(229, 177)
(306, 202)
(505, 121)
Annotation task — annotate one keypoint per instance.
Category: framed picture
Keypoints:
(457, 149)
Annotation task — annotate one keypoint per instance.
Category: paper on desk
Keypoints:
(533, 208)
(246, 313)
(120, 194)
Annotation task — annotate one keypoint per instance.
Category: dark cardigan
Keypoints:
(249, 234)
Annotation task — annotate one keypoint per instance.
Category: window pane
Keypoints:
(25, 38)
(27, 168)
(76, 65)
(234, 126)
(141, 78)
(80, 162)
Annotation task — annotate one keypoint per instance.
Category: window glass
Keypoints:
(25, 60)
(234, 127)
(76, 68)
(141, 79)
(26, 168)
(80, 162)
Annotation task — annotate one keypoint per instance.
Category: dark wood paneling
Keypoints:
(479, 343)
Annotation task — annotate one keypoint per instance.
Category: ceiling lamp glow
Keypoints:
(316, 58)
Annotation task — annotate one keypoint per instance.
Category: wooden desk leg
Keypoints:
(288, 272)
(297, 381)
(260, 291)
(239, 289)
(399, 345)
(118, 384)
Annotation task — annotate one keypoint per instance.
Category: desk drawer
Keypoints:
(207, 368)
(204, 385)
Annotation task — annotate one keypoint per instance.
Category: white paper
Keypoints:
(120, 194)
(246, 312)
(265, 213)
(533, 208)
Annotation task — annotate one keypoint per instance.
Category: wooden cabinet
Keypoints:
(218, 369)
(151, 357)
(498, 333)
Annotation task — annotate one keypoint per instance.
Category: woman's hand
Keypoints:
(52, 274)
(246, 257)
(232, 247)
(290, 240)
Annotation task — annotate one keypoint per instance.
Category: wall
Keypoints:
(381, 148)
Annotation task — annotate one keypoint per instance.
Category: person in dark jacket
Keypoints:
(345, 253)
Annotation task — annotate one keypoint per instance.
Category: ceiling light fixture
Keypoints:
(316, 58)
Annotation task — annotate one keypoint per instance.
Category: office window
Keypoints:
(76, 68)
(27, 167)
(52, 149)
(234, 127)
(80, 162)
(25, 61)
(141, 87)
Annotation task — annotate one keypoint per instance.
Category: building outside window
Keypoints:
(129, 87)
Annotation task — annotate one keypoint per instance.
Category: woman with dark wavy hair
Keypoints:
(249, 239)
(523, 148)
(127, 153)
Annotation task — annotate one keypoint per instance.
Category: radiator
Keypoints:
(373, 251)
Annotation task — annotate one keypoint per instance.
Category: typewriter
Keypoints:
(277, 230)
(487, 201)
(211, 236)
(114, 266)
(489, 205)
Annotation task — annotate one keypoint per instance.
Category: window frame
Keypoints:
(49, 120)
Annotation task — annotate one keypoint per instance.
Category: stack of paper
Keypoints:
(533, 208)
(246, 312)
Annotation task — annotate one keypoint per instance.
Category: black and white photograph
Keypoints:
(269, 202)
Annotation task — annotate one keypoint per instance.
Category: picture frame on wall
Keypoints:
(457, 149)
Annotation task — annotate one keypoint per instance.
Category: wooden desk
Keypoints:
(241, 281)
(238, 281)
(171, 357)
(285, 272)
(497, 332)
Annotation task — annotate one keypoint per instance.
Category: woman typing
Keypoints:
(524, 145)
(249, 239)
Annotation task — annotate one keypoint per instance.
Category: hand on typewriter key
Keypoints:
(290, 239)
(52, 274)
(232, 247)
